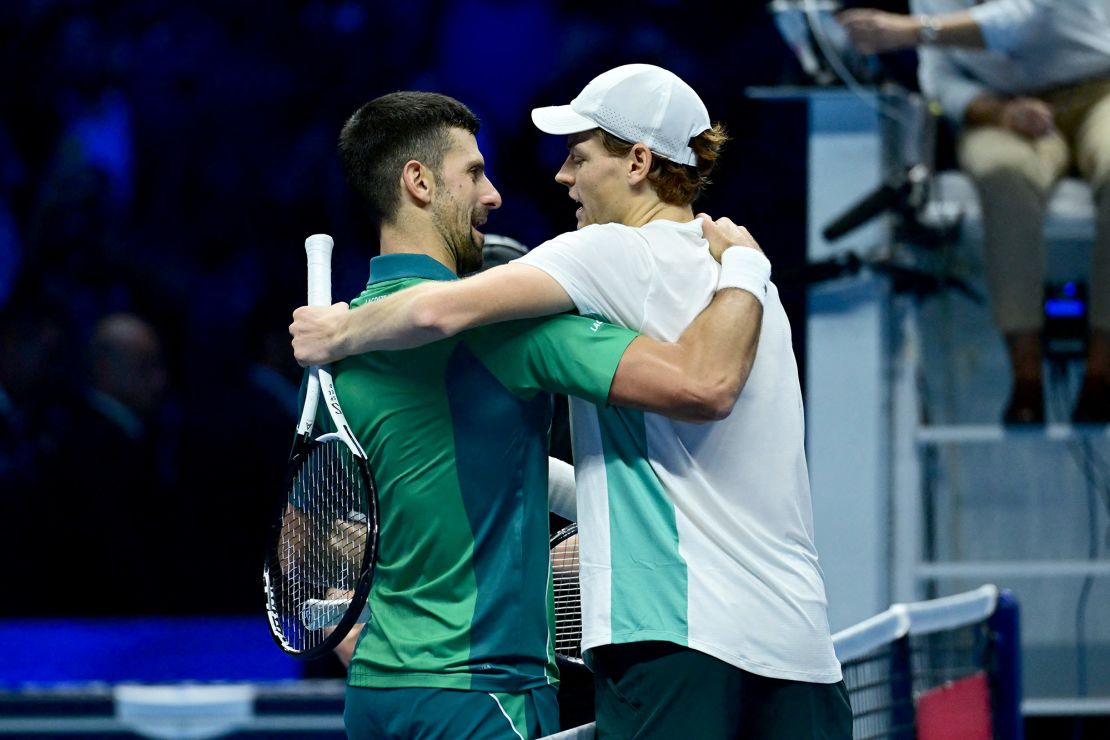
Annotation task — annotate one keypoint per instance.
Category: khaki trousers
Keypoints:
(1015, 177)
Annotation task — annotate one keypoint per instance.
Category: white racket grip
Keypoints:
(318, 247)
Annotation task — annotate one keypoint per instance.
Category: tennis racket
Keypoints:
(323, 537)
(568, 598)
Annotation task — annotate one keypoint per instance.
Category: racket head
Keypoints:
(566, 593)
(322, 545)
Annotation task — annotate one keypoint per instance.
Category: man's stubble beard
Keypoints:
(468, 256)
(458, 234)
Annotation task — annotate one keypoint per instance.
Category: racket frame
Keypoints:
(320, 382)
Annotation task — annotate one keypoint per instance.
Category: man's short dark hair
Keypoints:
(388, 131)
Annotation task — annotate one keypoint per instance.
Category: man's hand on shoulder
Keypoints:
(723, 233)
(318, 333)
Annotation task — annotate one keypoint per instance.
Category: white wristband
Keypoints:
(747, 269)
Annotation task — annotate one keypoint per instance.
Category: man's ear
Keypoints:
(639, 160)
(418, 182)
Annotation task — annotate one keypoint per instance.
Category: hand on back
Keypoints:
(723, 233)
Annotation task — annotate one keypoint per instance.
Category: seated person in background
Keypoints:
(1027, 84)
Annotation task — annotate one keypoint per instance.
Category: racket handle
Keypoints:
(318, 247)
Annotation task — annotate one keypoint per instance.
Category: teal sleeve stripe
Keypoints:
(649, 577)
(565, 354)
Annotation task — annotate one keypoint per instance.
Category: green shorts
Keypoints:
(664, 690)
(434, 714)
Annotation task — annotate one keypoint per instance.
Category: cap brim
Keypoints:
(561, 119)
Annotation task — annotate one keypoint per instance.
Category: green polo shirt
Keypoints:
(457, 437)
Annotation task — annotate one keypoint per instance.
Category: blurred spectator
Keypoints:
(1027, 83)
(238, 429)
(107, 494)
(127, 379)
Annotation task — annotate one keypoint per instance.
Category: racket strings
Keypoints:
(567, 596)
(322, 542)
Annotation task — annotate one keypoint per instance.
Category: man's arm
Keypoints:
(345, 650)
(425, 313)
(700, 377)
(874, 31)
(696, 379)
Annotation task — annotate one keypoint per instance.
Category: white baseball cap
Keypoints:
(639, 103)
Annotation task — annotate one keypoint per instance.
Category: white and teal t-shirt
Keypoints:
(697, 534)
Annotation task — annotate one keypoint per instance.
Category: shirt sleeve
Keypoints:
(942, 80)
(566, 354)
(1006, 24)
(939, 77)
(606, 269)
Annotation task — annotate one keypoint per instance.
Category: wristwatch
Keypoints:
(928, 29)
